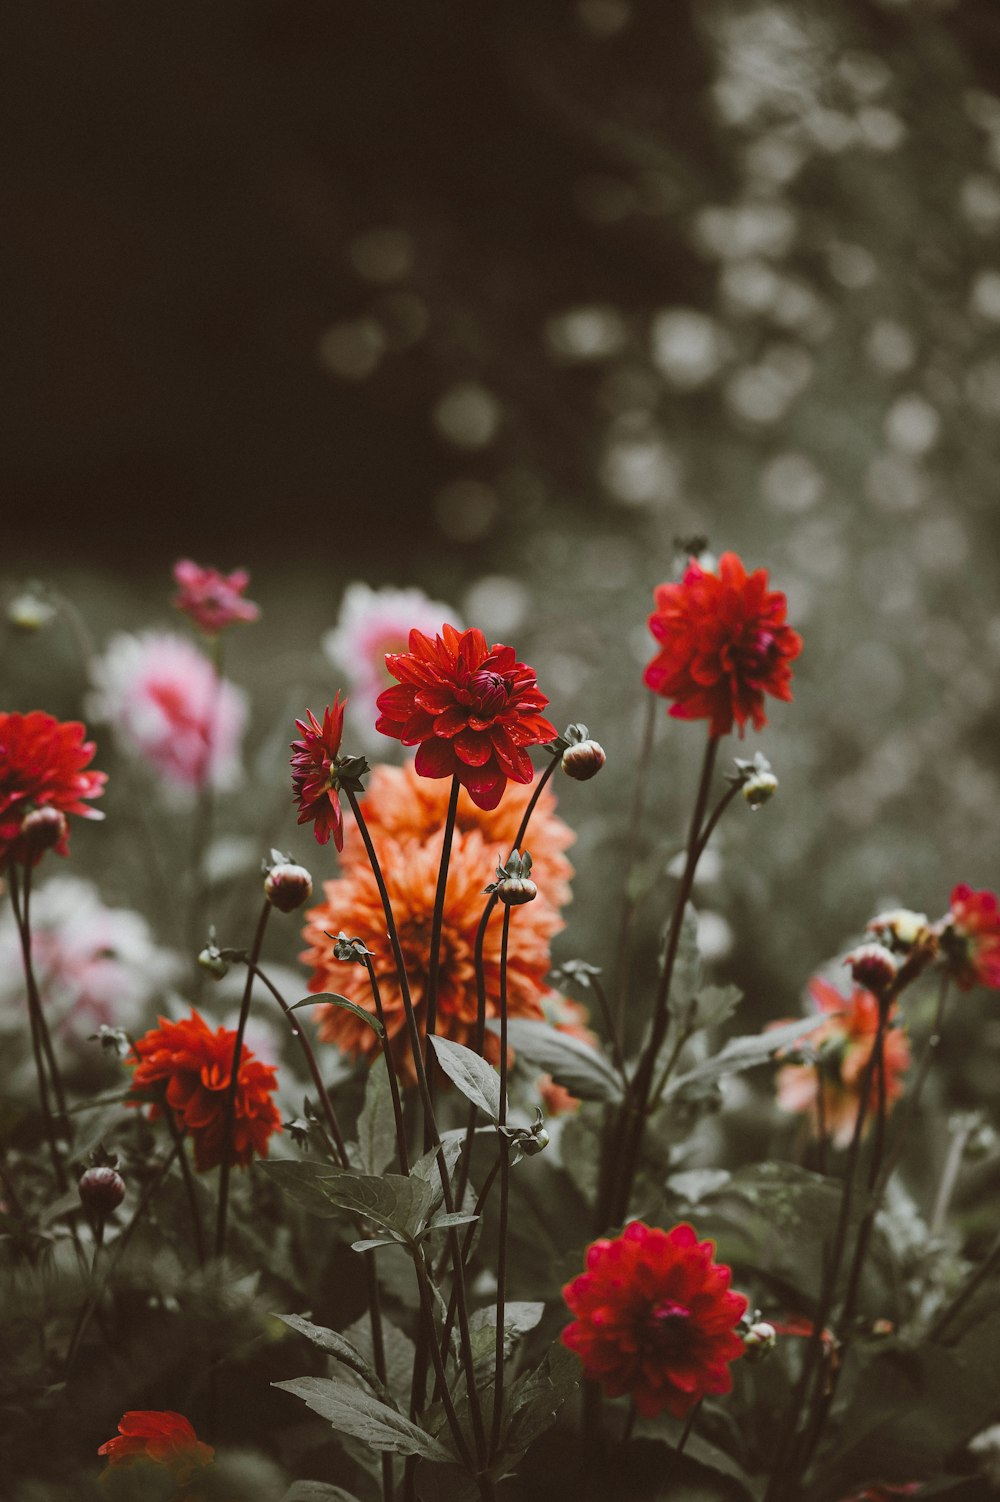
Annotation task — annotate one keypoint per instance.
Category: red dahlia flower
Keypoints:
(725, 645)
(972, 938)
(210, 599)
(654, 1319)
(187, 1067)
(41, 766)
(161, 1436)
(314, 772)
(470, 709)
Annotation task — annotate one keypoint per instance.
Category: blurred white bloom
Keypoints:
(468, 415)
(911, 424)
(167, 707)
(582, 334)
(641, 469)
(984, 298)
(353, 348)
(715, 937)
(371, 623)
(890, 346)
(94, 964)
(688, 347)
(791, 483)
(498, 604)
(773, 60)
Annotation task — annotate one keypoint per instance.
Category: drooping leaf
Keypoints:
(454, 1218)
(300, 1180)
(342, 1349)
(333, 999)
(392, 1200)
(742, 1053)
(583, 1070)
(377, 1122)
(355, 1412)
(397, 1345)
(427, 1167)
(372, 1243)
(477, 1080)
(536, 1397)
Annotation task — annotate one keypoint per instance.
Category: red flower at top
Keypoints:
(161, 1436)
(41, 766)
(972, 939)
(470, 709)
(654, 1319)
(210, 599)
(725, 645)
(314, 772)
(186, 1066)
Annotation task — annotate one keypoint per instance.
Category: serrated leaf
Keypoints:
(317, 1491)
(300, 1181)
(743, 1053)
(714, 1005)
(334, 999)
(338, 1346)
(519, 1317)
(583, 1070)
(357, 1413)
(477, 1080)
(536, 1397)
(391, 1200)
(377, 1122)
(399, 1351)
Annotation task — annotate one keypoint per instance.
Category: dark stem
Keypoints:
(504, 1195)
(197, 1230)
(907, 1111)
(201, 833)
(397, 1105)
(299, 1034)
(614, 1041)
(434, 957)
(821, 1128)
(631, 847)
(427, 1307)
(958, 1303)
(470, 1232)
(378, 1354)
(229, 1119)
(38, 1029)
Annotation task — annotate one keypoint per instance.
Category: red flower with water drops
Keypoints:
(42, 762)
(971, 939)
(724, 645)
(184, 1067)
(210, 599)
(161, 1436)
(314, 772)
(655, 1319)
(470, 709)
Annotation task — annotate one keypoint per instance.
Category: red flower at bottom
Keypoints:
(654, 1319)
(161, 1436)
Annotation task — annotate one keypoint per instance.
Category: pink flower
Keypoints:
(372, 623)
(169, 708)
(210, 599)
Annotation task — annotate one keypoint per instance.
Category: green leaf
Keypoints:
(686, 977)
(742, 1053)
(714, 1005)
(340, 1348)
(454, 1218)
(477, 1080)
(372, 1243)
(317, 1491)
(399, 1349)
(392, 1200)
(536, 1397)
(331, 998)
(583, 1070)
(377, 1122)
(300, 1181)
(357, 1413)
(519, 1317)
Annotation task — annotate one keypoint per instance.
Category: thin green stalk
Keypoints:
(434, 957)
(225, 1166)
(201, 834)
(197, 1229)
(905, 1115)
(38, 1030)
(397, 1105)
(504, 1196)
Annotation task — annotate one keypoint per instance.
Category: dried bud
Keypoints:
(759, 1339)
(873, 966)
(760, 788)
(513, 883)
(583, 760)
(899, 929)
(213, 960)
(287, 887)
(43, 829)
(101, 1191)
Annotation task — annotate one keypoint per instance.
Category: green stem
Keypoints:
(201, 833)
(397, 1105)
(299, 1034)
(504, 1196)
(434, 957)
(225, 1167)
(197, 1230)
(39, 1031)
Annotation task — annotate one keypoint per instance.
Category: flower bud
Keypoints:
(43, 829)
(873, 966)
(287, 887)
(759, 1339)
(101, 1191)
(30, 610)
(900, 928)
(513, 890)
(211, 960)
(760, 788)
(583, 760)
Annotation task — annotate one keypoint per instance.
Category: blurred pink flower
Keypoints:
(210, 599)
(168, 707)
(373, 622)
(94, 964)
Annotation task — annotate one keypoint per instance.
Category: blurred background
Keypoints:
(499, 300)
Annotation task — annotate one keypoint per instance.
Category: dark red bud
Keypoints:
(101, 1191)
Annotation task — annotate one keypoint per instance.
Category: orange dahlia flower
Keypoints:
(410, 870)
(161, 1436)
(844, 1046)
(403, 806)
(186, 1067)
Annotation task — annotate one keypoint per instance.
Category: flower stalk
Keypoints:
(229, 1118)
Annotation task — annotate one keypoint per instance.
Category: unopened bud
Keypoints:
(101, 1191)
(760, 788)
(534, 1143)
(213, 961)
(899, 928)
(43, 829)
(583, 760)
(513, 883)
(759, 1339)
(873, 966)
(287, 887)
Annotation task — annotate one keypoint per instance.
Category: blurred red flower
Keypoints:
(41, 766)
(470, 708)
(972, 938)
(314, 772)
(161, 1436)
(210, 599)
(654, 1319)
(186, 1067)
(725, 645)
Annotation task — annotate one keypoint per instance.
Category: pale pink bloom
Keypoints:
(169, 708)
(94, 964)
(210, 599)
(371, 623)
